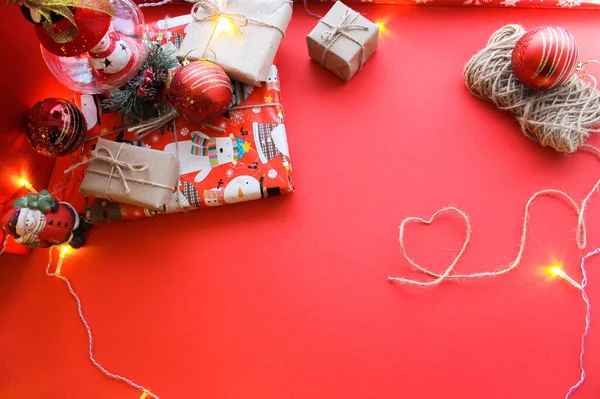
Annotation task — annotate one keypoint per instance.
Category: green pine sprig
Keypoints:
(128, 101)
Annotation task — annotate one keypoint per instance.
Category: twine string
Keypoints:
(214, 12)
(4, 244)
(89, 333)
(311, 13)
(580, 236)
(588, 315)
(341, 30)
(116, 166)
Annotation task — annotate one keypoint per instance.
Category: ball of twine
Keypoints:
(562, 118)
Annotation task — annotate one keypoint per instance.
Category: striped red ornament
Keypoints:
(55, 127)
(201, 91)
(545, 58)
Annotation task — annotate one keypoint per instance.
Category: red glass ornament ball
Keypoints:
(545, 58)
(91, 27)
(201, 91)
(55, 127)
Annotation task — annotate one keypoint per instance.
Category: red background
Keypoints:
(194, 306)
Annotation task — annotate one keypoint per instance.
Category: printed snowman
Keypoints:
(243, 188)
(203, 153)
(247, 188)
(115, 57)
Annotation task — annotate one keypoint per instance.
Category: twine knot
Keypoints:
(117, 166)
(341, 30)
(215, 12)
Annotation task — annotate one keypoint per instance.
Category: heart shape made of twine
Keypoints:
(448, 270)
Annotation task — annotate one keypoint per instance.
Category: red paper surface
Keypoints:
(288, 298)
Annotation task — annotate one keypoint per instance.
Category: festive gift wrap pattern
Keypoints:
(242, 156)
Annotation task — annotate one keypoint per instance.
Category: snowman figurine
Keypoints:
(38, 220)
(114, 57)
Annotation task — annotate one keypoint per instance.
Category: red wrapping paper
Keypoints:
(254, 163)
(566, 4)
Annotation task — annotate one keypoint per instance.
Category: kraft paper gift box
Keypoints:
(131, 175)
(247, 51)
(343, 41)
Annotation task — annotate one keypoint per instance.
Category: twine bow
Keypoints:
(116, 166)
(215, 12)
(45, 8)
(341, 30)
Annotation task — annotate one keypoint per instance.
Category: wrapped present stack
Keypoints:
(240, 156)
(199, 124)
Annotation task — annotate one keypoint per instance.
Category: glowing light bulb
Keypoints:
(64, 251)
(144, 395)
(556, 271)
(21, 182)
(225, 24)
(382, 28)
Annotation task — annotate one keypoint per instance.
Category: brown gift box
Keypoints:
(343, 41)
(245, 55)
(150, 176)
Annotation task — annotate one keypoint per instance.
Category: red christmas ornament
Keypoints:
(201, 91)
(91, 27)
(545, 58)
(55, 127)
(147, 81)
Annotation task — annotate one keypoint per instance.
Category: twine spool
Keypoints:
(562, 118)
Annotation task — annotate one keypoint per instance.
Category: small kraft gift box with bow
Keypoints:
(241, 36)
(129, 174)
(343, 41)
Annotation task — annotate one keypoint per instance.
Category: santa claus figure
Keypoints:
(38, 220)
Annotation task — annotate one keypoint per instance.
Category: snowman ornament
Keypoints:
(113, 57)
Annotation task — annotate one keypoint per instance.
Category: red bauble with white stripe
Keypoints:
(201, 91)
(545, 58)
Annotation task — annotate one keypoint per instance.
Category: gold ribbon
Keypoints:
(340, 30)
(45, 8)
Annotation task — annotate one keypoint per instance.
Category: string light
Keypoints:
(64, 251)
(225, 24)
(22, 182)
(382, 28)
(556, 271)
(144, 395)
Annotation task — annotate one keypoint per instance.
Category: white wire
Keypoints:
(588, 307)
(89, 333)
(160, 3)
